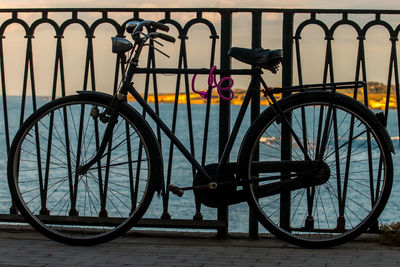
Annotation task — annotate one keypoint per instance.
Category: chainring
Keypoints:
(214, 197)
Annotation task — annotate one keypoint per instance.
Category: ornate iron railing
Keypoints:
(220, 25)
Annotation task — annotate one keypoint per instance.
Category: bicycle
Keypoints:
(90, 146)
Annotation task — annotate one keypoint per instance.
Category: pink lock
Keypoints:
(212, 82)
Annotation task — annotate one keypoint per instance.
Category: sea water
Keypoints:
(181, 171)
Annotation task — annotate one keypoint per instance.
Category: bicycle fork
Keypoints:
(115, 107)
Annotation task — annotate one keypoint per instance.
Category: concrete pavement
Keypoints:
(28, 248)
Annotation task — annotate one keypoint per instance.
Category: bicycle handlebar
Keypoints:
(159, 26)
(131, 26)
(166, 37)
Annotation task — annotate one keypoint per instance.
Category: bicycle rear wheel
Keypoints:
(110, 197)
(358, 152)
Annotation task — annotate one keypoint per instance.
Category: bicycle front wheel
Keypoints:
(340, 132)
(103, 203)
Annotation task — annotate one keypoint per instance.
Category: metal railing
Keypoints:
(219, 23)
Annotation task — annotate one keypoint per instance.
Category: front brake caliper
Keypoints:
(94, 112)
(104, 116)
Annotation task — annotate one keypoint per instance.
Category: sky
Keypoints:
(74, 43)
(345, 4)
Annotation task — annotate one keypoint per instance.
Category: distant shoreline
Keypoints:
(377, 94)
(375, 100)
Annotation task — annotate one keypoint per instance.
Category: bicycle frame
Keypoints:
(127, 87)
(282, 184)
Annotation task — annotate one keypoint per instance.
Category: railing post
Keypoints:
(287, 79)
(224, 106)
(287, 46)
(255, 107)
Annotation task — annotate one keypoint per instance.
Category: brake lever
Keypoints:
(152, 38)
(157, 42)
(158, 50)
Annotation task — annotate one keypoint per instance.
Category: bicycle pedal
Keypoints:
(175, 190)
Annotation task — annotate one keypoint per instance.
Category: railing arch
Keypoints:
(11, 21)
(80, 22)
(345, 22)
(118, 28)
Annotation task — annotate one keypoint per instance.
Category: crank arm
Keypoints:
(317, 174)
(179, 191)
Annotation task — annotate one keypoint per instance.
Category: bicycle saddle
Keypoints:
(264, 58)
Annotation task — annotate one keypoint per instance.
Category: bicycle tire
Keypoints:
(109, 198)
(361, 170)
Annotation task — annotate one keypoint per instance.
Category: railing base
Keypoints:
(146, 222)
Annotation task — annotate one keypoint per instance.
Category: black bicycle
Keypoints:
(83, 169)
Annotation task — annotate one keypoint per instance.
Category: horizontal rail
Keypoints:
(198, 71)
(145, 222)
(180, 10)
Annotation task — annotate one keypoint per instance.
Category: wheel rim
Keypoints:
(340, 208)
(80, 207)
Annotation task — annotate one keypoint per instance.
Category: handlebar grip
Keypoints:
(159, 25)
(166, 37)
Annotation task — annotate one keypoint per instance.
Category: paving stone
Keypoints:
(31, 249)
